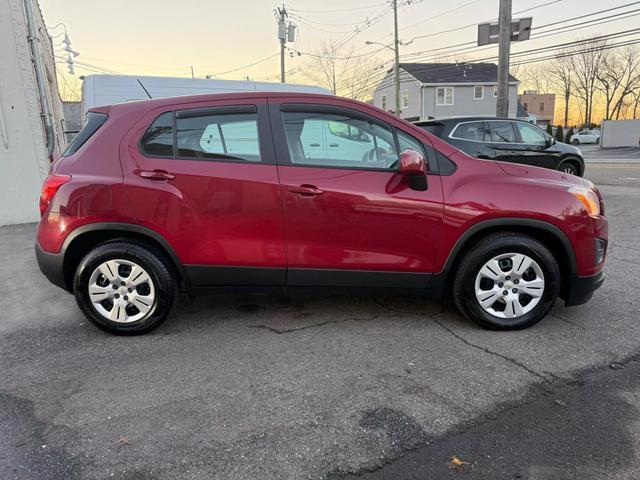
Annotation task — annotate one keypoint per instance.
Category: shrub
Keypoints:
(549, 129)
(567, 138)
(559, 134)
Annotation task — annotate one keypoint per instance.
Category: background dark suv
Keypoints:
(507, 140)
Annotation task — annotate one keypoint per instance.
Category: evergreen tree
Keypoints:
(569, 135)
(559, 134)
(549, 129)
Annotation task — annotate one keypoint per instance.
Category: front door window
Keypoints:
(334, 140)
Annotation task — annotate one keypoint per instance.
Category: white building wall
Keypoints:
(422, 99)
(23, 155)
(620, 133)
(387, 87)
(464, 103)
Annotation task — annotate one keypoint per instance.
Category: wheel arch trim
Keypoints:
(509, 222)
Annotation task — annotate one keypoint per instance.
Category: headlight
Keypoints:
(589, 199)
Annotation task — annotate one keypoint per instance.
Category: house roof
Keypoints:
(454, 72)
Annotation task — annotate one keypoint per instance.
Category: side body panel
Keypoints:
(214, 212)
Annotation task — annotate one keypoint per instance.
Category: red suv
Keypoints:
(281, 191)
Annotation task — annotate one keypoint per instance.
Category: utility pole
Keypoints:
(396, 44)
(505, 30)
(282, 36)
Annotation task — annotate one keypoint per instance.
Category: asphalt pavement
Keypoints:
(246, 387)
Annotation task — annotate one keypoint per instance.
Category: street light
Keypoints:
(396, 68)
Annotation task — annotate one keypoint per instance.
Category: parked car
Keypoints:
(507, 140)
(585, 136)
(220, 193)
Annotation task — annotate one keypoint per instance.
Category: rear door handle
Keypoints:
(156, 175)
(314, 144)
(333, 145)
(306, 190)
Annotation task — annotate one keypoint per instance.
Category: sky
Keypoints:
(164, 37)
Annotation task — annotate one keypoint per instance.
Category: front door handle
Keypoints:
(156, 175)
(306, 190)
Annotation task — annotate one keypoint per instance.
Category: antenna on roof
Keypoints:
(145, 90)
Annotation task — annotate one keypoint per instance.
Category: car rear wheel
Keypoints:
(125, 289)
(507, 281)
(569, 167)
(575, 141)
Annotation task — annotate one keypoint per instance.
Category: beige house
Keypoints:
(542, 105)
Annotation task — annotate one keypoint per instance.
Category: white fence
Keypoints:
(620, 133)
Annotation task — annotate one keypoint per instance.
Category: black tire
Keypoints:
(160, 270)
(598, 141)
(567, 165)
(483, 251)
(575, 141)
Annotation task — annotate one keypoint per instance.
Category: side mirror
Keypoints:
(414, 167)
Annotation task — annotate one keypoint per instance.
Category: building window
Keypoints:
(444, 96)
(383, 102)
(495, 90)
(542, 106)
(526, 106)
(405, 99)
(478, 92)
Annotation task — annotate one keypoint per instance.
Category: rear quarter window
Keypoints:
(94, 121)
(158, 139)
(432, 128)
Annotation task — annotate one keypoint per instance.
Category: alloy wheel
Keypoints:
(509, 285)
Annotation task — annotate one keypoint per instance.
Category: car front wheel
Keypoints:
(569, 167)
(507, 281)
(575, 141)
(125, 288)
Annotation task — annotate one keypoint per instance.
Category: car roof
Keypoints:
(463, 119)
(167, 101)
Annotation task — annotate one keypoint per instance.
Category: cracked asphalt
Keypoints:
(245, 387)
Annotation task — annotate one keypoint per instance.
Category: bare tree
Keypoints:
(69, 87)
(587, 58)
(533, 76)
(619, 78)
(559, 74)
(339, 70)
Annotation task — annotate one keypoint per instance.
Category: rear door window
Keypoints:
(473, 131)
(94, 121)
(502, 132)
(225, 136)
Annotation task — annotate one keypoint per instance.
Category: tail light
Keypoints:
(49, 189)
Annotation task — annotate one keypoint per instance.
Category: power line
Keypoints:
(479, 63)
(339, 9)
(545, 50)
(476, 23)
(246, 66)
(468, 49)
(549, 33)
